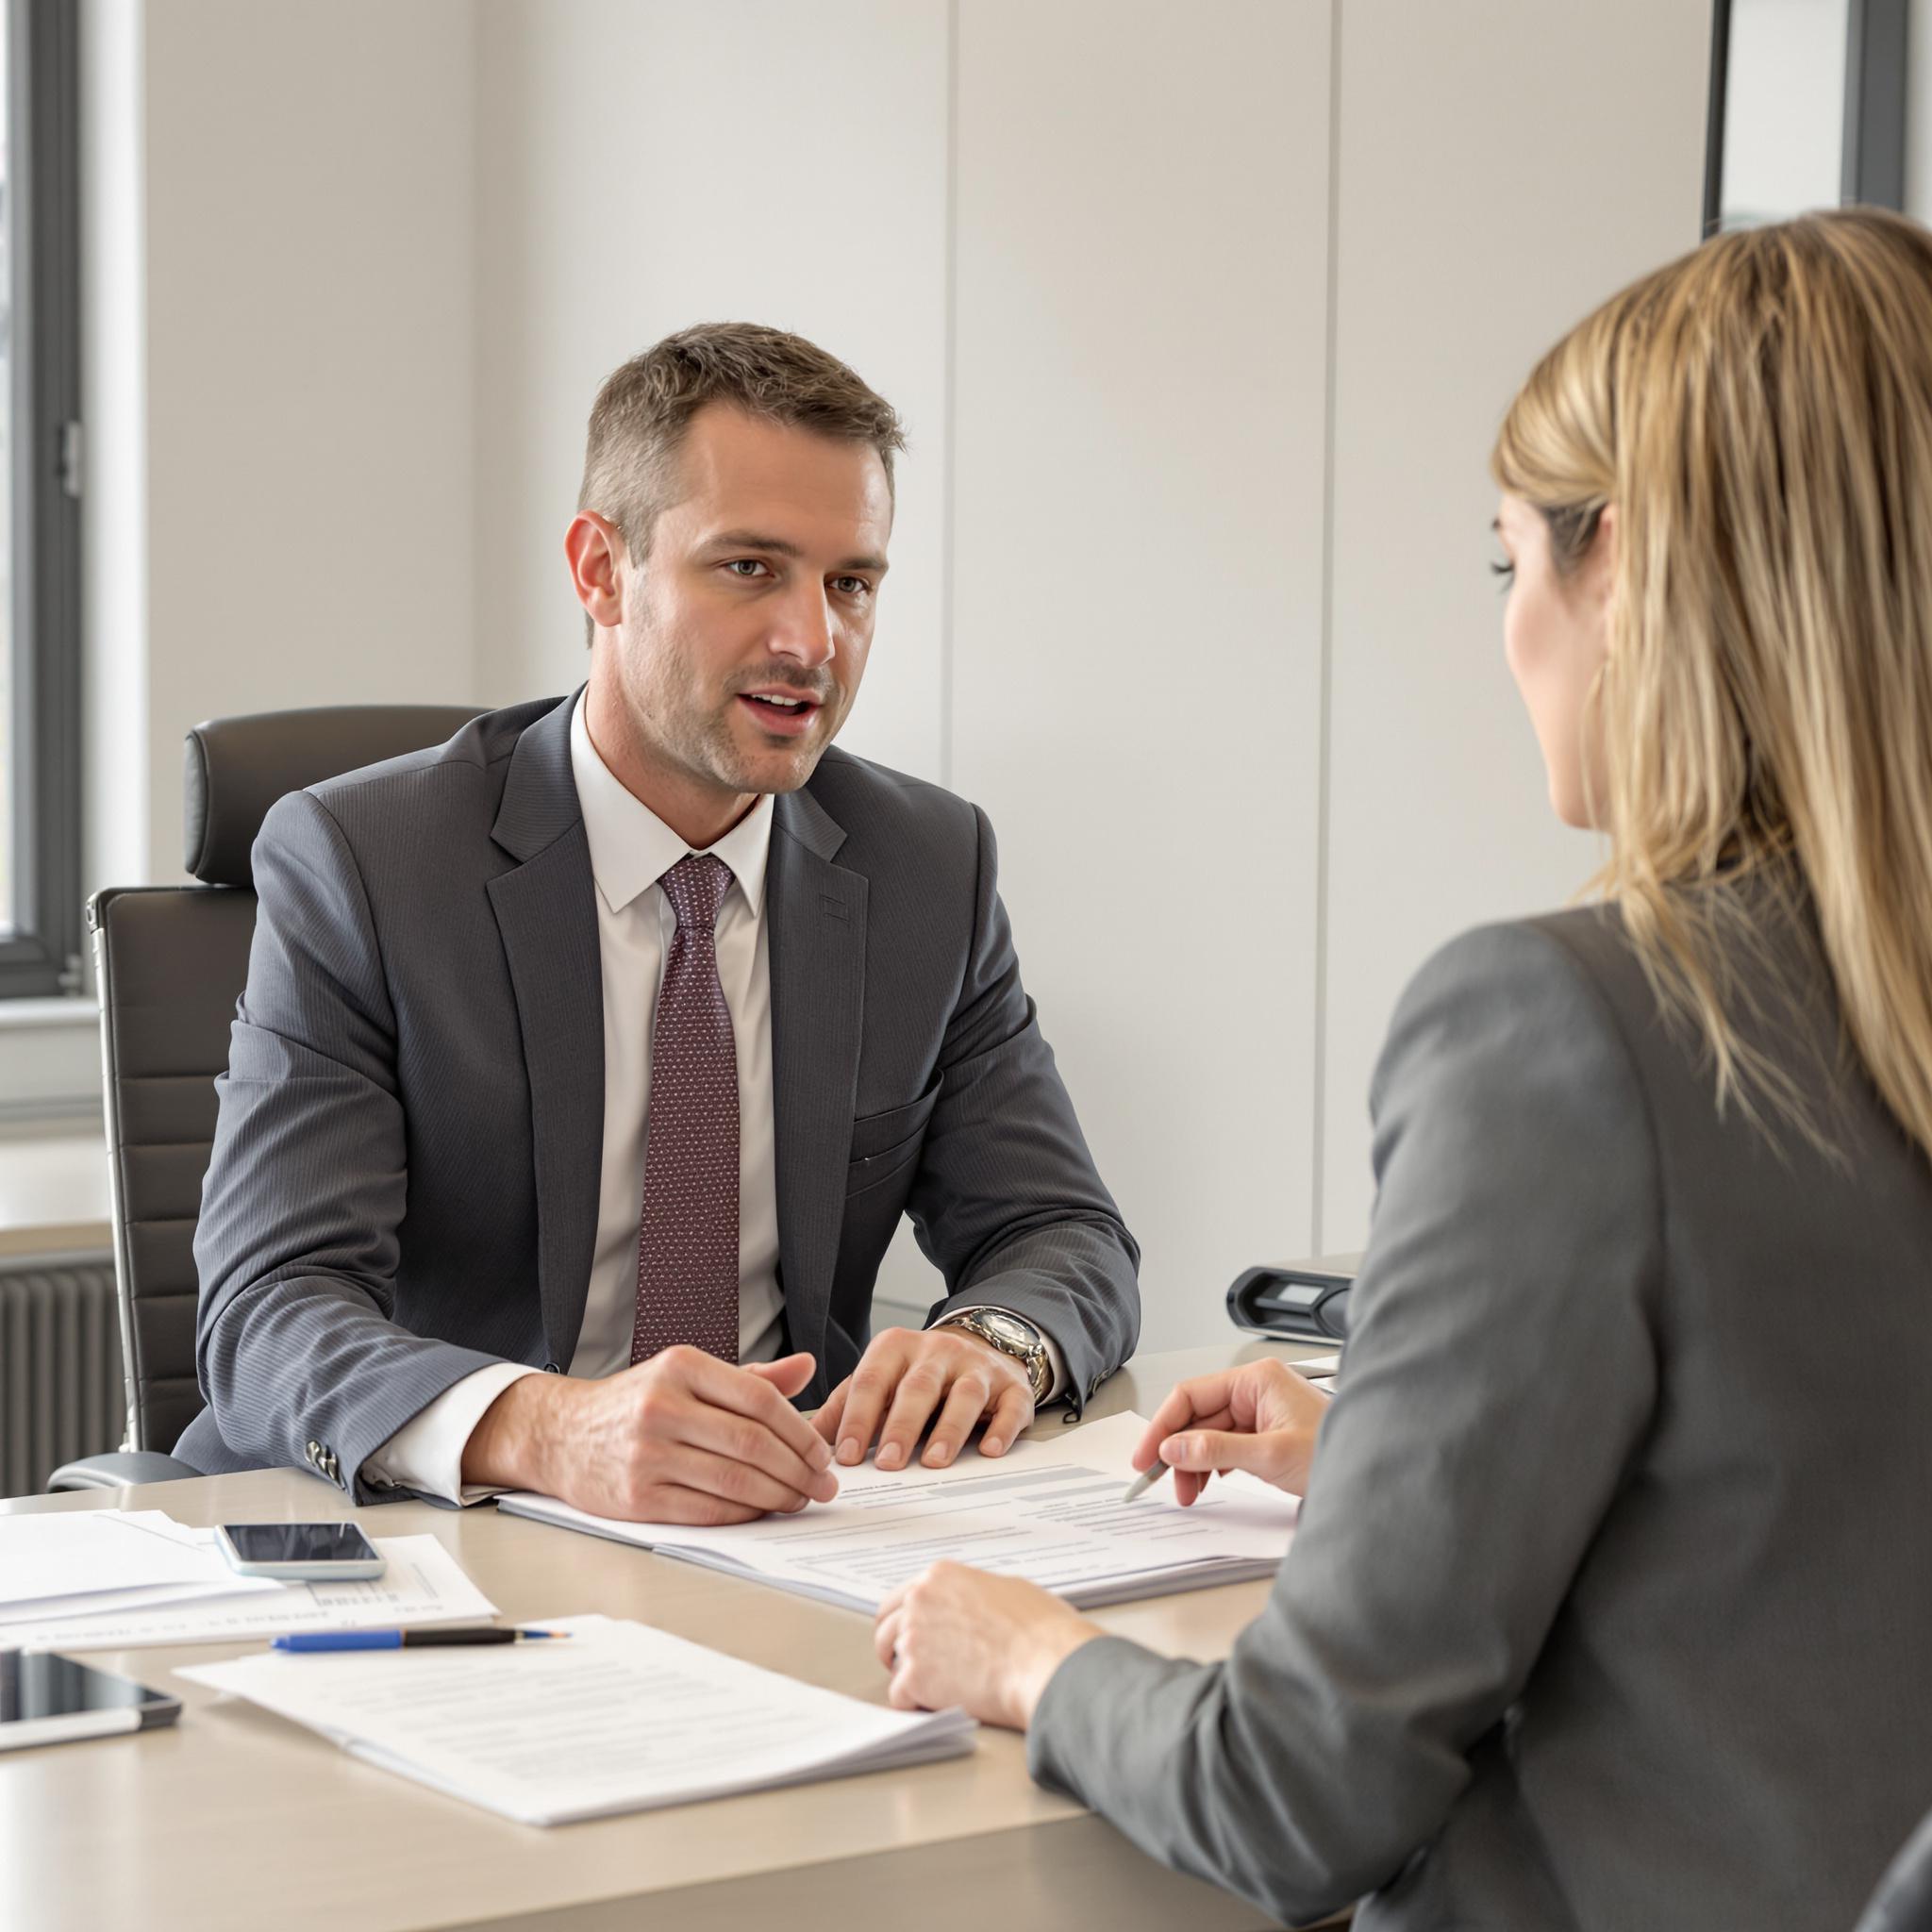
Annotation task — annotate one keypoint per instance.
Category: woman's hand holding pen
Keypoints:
(1260, 1417)
(991, 1643)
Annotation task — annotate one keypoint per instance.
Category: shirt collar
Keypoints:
(632, 848)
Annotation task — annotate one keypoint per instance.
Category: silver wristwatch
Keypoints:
(1010, 1336)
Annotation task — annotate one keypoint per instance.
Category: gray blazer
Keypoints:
(1611, 1605)
(405, 1177)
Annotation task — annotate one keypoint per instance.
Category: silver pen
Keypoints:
(1144, 1481)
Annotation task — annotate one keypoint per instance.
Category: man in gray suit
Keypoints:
(613, 1037)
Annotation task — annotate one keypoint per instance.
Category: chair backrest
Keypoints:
(1902, 1902)
(170, 962)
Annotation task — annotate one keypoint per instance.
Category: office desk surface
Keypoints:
(234, 1818)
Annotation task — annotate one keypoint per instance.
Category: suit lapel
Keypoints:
(547, 919)
(817, 911)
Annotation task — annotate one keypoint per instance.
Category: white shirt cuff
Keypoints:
(1055, 1362)
(426, 1453)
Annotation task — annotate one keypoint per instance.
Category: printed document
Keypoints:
(1049, 1510)
(68, 1562)
(422, 1584)
(620, 1718)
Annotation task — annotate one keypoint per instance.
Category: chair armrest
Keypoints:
(118, 1467)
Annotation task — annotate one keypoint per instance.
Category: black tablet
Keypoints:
(52, 1700)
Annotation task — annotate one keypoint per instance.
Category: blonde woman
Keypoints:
(1612, 1601)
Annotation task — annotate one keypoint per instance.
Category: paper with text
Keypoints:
(70, 1562)
(1049, 1510)
(423, 1583)
(620, 1718)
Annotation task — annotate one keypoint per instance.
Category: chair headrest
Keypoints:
(236, 768)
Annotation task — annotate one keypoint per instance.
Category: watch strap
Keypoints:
(1037, 1361)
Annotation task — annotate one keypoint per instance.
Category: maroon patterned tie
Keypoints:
(688, 1241)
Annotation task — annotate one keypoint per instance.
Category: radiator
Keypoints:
(61, 1388)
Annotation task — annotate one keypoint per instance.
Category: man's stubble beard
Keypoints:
(701, 741)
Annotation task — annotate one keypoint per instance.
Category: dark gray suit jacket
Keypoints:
(1611, 1605)
(405, 1177)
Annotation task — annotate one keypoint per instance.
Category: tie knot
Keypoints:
(696, 886)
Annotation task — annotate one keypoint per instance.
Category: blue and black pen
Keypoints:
(405, 1639)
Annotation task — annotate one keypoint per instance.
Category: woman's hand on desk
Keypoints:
(1260, 1417)
(987, 1643)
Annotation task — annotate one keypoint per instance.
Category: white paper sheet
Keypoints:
(620, 1718)
(84, 1562)
(49, 1609)
(423, 1583)
(1049, 1510)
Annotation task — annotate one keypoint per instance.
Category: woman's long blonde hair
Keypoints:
(1760, 414)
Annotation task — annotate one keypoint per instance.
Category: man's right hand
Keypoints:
(683, 1438)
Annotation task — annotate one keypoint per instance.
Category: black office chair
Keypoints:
(170, 962)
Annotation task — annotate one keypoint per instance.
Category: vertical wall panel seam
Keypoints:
(949, 471)
(1318, 1164)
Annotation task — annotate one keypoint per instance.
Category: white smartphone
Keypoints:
(300, 1552)
(52, 1700)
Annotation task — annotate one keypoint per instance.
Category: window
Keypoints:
(40, 453)
(1807, 109)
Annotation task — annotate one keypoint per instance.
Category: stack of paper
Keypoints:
(106, 1579)
(620, 1718)
(1050, 1510)
(105, 1561)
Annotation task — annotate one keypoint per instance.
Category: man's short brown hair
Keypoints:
(641, 414)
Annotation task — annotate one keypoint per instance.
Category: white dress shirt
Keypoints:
(631, 849)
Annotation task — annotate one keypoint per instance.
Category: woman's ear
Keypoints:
(1603, 555)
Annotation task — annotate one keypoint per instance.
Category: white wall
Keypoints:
(1784, 108)
(1132, 681)
(743, 159)
(1142, 196)
(282, 511)
(1505, 165)
(1177, 592)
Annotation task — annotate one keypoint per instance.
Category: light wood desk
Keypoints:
(234, 1818)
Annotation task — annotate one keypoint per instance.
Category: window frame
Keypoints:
(42, 955)
(1873, 168)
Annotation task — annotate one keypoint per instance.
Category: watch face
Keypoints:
(1015, 1334)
